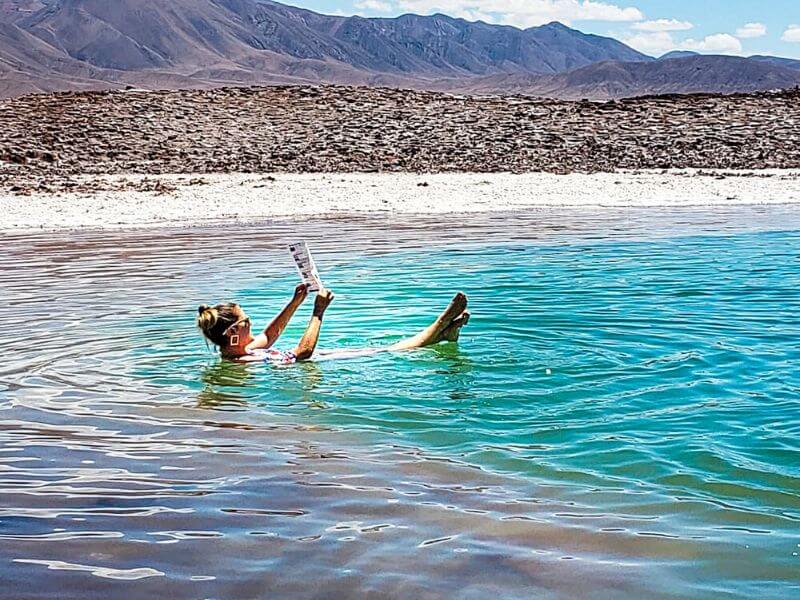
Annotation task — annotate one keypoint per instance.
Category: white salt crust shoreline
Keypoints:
(245, 198)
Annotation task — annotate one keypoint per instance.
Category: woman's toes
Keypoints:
(453, 330)
(457, 305)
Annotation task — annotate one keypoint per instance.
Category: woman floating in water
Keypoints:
(227, 326)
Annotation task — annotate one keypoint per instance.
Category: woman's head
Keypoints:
(225, 324)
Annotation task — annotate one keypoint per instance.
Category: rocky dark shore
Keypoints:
(47, 140)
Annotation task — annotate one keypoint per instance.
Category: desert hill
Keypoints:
(48, 45)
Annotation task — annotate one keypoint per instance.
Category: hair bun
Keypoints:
(202, 308)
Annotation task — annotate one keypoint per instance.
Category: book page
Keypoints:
(305, 266)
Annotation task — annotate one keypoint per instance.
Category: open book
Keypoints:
(305, 266)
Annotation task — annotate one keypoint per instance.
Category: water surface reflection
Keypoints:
(620, 420)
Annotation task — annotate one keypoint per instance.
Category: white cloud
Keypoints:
(751, 30)
(654, 44)
(527, 13)
(719, 43)
(792, 34)
(373, 5)
(663, 25)
(476, 15)
(660, 42)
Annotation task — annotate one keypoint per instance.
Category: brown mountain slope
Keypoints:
(186, 34)
(251, 41)
(610, 80)
(789, 63)
(78, 44)
(27, 64)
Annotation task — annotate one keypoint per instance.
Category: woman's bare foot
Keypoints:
(453, 330)
(457, 306)
(434, 332)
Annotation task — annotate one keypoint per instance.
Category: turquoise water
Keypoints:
(619, 419)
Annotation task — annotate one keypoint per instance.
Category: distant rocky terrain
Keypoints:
(47, 141)
(610, 80)
(50, 45)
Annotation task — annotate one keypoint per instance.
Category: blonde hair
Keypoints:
(214, 320)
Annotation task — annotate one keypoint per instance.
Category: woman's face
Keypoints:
(239, 332)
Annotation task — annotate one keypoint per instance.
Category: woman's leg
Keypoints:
(446, 327)
(309, 340)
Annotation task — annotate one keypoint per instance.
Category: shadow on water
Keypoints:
(457, 369)
(225, 386)
(228, 385)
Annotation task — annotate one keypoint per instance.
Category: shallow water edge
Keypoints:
(192, 200)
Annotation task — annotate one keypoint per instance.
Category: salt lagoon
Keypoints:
(619, 419)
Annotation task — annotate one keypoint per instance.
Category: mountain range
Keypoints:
(48, 45)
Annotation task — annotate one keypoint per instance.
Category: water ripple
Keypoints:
(621, 415)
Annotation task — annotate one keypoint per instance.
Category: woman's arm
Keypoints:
(309, 340)
(274, 330)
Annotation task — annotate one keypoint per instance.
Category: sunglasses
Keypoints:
(233, 340)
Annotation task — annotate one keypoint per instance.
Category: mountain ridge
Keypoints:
(48, 45)
(612, 80)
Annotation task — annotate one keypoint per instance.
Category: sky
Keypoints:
(738, 27)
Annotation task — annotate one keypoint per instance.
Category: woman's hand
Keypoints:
(300, 293)
(322, 301)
